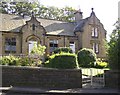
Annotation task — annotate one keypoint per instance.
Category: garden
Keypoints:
(61, 58)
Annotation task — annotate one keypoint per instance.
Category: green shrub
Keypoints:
(86, 57)
(101, 64)
(9, 60)
(17, 61)
(62, 61)
(63, 49)
(26, 61)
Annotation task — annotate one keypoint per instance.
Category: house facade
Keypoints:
(18, 34)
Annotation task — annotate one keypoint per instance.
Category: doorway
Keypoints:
(31, 45)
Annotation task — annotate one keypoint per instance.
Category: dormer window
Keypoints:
(94, 32)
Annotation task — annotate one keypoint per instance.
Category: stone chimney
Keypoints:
(78, 15)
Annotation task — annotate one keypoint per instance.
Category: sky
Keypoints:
(105, 10)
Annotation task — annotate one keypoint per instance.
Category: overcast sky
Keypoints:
(106, 10)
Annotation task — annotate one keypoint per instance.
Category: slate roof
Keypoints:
(13, 23)
(79, 27)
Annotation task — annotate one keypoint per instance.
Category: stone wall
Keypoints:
(112, 79)
(0, 43)
(41, 77)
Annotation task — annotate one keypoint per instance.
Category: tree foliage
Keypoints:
(86, 57)
(26, 8)
(20, 8)
(38, 50)
(114, 48)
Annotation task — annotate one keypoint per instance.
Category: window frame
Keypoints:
(10, 45)
(53, 44)
(94, 33)
(72, 43)
(95, 47)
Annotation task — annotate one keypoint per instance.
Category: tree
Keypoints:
(3, 7)
(20, 8)
(37, 54)
(114, 48)
(25, 8)
(86, 57)
(38, 50)
(28, 6)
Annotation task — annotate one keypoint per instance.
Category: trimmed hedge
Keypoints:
(86, 57)
(63, 49)
(62, 61)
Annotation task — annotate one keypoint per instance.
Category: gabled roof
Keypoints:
(13, 23)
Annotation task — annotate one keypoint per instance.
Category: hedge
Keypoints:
(62, 61)
(86, 57)
(63, 49)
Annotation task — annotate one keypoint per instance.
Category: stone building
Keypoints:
(18, 34)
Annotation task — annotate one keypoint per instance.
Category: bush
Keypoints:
(101, 64)
(63, 49)
(62, 61)
(86, 57)
(26, 61)
(18, 61)
(9, 60)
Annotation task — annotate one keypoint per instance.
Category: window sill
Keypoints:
(94, 37)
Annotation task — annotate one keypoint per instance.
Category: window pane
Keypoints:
(53, 45)
(10, 45)
(13, 48)
(33, 27)
(7, 47)
(72, 46)
(96, 32)
(93, 47)
(93, 34)
(97, 48)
